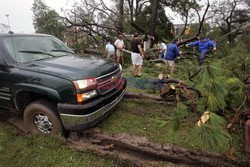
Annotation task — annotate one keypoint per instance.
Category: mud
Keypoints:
(140, 151)
(5, 115)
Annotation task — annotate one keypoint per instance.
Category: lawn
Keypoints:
(18, 150)
(154, 121)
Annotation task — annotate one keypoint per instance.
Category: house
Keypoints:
(178, 28)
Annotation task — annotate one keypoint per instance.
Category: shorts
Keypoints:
(136, 59)
(170, 63)
(110, 55)
(119, 53)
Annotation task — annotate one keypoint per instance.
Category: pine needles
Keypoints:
(181, 112)
(214, 91)
(212, 135)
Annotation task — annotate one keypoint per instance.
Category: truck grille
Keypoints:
(109, 82)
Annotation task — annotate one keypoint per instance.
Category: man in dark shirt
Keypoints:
(137, 55)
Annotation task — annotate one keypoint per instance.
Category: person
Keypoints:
(119, 44)
(110, 51)
(171, 53)
(204, 45)
(146, 43)
(161, 47)
(137, 55)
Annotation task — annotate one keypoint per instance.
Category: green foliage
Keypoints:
(216, 120)
(238, 61)
(212, 136)
(223, 47)
(208, 74)
(215, 96)
(235, 92)
(213, 90)
(46, 20)
(245, 38)
(181, 112)
(164, 25)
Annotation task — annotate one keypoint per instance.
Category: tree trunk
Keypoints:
(155, 7)
(121, 16)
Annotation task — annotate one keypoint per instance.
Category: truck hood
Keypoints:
(72, 67)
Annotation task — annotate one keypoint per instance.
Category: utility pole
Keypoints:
(7, 16)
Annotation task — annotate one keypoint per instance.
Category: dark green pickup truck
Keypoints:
(51, 87)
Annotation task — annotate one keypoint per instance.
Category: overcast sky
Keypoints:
(20, 14)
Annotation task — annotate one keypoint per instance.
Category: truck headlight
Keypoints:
(86, 96)
(83, 84)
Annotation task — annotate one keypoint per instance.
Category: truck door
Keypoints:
(5, 94)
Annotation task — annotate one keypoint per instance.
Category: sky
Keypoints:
(20, 14)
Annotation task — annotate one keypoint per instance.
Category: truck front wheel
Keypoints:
(41, 117)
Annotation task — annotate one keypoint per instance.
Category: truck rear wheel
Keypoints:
(41, 117)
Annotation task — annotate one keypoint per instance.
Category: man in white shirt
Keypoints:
(161, 47)
(110, 51)
(119, 44)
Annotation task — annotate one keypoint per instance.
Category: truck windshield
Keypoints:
(33, 48)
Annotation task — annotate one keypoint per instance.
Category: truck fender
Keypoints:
(49, 92)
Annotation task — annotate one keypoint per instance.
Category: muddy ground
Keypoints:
(140, 151)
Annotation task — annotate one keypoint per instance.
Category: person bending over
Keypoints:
(110, 51)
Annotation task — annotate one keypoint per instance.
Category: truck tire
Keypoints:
(41, 117)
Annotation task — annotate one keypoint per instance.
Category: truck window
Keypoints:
(31, 48)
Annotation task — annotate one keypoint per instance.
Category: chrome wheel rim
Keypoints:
(42, 123)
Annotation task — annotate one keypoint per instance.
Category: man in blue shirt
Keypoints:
(204, 46)
(171, 53)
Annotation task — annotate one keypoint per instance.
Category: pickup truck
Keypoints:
(53, 89)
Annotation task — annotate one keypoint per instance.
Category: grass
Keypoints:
(151, 120)
(31, 150)
(154, 121)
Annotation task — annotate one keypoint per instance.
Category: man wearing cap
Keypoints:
(119, 44)
(137, 55)
(171, 53)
